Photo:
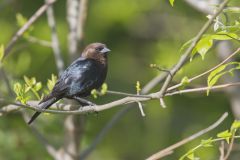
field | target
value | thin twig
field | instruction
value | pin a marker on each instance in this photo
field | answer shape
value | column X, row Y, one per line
column 203, row 89
column 171, row 148
column 230, row 146
column 127, row 94
column 41, row 42
column 206, row 72
column 221, row 149
column 162, row 103
column 20, row 32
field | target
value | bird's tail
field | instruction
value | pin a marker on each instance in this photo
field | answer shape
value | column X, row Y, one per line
column 44, row 104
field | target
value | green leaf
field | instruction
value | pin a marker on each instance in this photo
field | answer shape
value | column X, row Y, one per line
column 104, row 88
column 27, row 88
column 30, row 82
column 94, row 93
column 203, row 46
column 235, row 125
column 226, row 135
column 215, row 72
column 207, row 142
column 191, row 156
column 21, row 20
column 51, row 82
column 219, row 72
column 171, row 2
column 38, row 86
column 1, row 52
column 138, row 86
column 184, row 82
column 20, row 93
column 185, row 45
column 223, row 35
column 17, row 88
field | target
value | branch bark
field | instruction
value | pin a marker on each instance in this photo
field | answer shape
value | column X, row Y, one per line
column 55, row 42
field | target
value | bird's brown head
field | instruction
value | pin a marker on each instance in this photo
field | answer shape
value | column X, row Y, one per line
column 97, row 51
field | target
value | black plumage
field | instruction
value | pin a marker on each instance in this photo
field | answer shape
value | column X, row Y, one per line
column 85, row 74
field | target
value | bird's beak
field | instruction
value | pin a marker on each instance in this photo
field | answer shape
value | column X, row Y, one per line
column 105, row 50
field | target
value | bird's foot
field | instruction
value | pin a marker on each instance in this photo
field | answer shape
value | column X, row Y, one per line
column 84, row 102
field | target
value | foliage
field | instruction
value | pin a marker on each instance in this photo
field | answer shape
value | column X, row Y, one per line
column 220, row 71
column 171, row 2
column 138, row 87
column 206, row 42
column 224, row 135
column 23, row 91
column 103, row 91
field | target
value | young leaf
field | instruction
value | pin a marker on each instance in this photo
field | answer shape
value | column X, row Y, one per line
column 219, row 72
column 185, row 45
column 171, row 2
column 184, row 82
column 138, row 86
column 38, row 86
column 21, row 20
column 226, row 135
column 17, row 88
column 51, row 82
column 203, row 46
column 207, row 142
column 1, row 52
column 215, row 72
column 94, row 93
column 104, row 89
column 191, row 156
column 235, row 125
column 20, row 93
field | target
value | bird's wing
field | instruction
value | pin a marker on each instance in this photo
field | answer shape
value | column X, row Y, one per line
column 84, row 79
column 63, row 83
column 78, row 78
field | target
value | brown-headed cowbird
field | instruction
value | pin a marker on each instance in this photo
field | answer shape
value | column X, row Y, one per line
column 85, row 74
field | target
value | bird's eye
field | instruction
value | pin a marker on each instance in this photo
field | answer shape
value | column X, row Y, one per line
column 99, row 49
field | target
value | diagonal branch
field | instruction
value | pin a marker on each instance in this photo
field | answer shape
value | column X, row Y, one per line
column 20, row 32
column 171, row 148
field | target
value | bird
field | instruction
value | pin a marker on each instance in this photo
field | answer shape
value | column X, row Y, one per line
column 86, row 73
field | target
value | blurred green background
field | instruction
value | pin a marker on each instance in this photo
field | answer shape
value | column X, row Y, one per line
column 139, row 33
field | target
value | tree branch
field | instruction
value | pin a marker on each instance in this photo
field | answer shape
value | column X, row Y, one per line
column 76, row 109
column 55, row 42
column 171, row 148
column 185, row 56
column 206, row 72
column 20, row 32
